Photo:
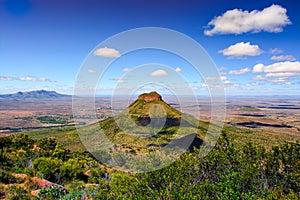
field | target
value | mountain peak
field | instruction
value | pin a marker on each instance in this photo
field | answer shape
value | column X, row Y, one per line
column 152, row 102
column 151, row 96
column 151, row 117
column 34, row 94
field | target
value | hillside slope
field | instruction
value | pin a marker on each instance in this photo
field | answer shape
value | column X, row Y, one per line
column 151, row 122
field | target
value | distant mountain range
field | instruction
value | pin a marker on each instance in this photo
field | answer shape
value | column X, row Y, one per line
column 38, row 94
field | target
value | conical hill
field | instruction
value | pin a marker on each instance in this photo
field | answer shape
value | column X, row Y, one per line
column 151, row 122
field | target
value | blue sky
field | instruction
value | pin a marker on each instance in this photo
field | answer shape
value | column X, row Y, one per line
column 255, row 44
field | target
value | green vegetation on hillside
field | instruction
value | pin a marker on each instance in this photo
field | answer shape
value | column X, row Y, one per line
column 229, row 171
column 66, row 137
column 142, row 108
column 149, row 121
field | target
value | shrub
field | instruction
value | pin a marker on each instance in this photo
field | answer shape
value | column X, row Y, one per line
column 21, row 141
column 47, row 167
column 51, row 193
column 8, row 178
column 46, row 145
column 2, row 191
column 16, row 193
column 72, row 169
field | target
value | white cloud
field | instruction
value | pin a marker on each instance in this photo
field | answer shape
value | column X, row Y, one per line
column 233, row 86
column 241, row 71
column 288, row 83
column 279, row 67
column 178, row 69
column 43, row 79
column 34, row 79
column 107, row 52
column 119, row 80
column 159, row 72
column 46, row 80
column 259, row 78
column 210, row 79
column 223, row 78
column 91, row 71
column 253, row 84
column 283, row 74
column 221, row 68
column 278, row 80
column 237, row 21
column 6, row 78
column 213, row 79
column 241, row 49
column 258, row 68
column 283, row 57
column 126, row 69
column 282, row 71
column 276, row 51
column 26, row 78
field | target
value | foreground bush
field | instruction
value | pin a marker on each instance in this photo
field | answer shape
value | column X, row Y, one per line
column 229, row 171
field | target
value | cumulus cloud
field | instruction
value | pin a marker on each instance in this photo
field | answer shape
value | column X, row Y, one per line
column 276, row 51
column 278, row 80
column 221, row 68
column 253, row 83
column 258, row 68
column 211, row 79
column 91, row 71
column 119, row 80
column 178, row 69
column 241, row 49
column 43, row 79
column 280, row 67
column 159, row 72
column 34, row 79
column 241, row 71
column 259, row 78
column 6, row 78
column 237, row 21
column 107, row 52
column 283, row 74
column 283, row 57
column 126, row 69
column 272, row 80
column 223, row 78
column 277, row 72
column 26, row 78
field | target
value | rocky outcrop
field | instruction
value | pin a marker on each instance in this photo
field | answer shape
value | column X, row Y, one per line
column 152, row 96
column 42, row 183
